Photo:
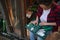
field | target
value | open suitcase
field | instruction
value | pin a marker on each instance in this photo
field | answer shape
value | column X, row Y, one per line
column 38, row 30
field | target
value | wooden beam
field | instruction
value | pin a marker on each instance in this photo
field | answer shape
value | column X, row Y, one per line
column 5, row 11
column 22, row 18
column 10, row 13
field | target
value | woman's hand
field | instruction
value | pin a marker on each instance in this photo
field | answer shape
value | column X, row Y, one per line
column 34, row 22
column 42, row 23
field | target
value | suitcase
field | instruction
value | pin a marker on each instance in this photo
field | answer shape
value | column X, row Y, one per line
column 33, row 28
column 38, row 30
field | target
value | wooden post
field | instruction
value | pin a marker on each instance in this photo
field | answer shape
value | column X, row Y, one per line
column 22, row 18
column 9, row 15
column 5, row 11
column 9, row 8
column 21, row 11
column 8, row 12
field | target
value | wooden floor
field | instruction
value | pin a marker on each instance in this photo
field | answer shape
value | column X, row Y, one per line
column 53, row 36
column 3, row 38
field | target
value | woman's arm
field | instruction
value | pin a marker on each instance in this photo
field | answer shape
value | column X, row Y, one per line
column 36, row 18
column 45, row 23
column 58, row 28
column 53, row 24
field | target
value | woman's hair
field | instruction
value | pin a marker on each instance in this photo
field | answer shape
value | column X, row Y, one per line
column 45, row 2
column 56, row 0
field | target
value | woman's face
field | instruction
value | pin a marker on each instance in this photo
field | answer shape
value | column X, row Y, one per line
column 45, row 7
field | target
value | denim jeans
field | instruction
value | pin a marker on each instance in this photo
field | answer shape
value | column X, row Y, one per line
column 32, row 36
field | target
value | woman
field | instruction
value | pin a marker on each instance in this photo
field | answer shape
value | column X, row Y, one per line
column 48, row 14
